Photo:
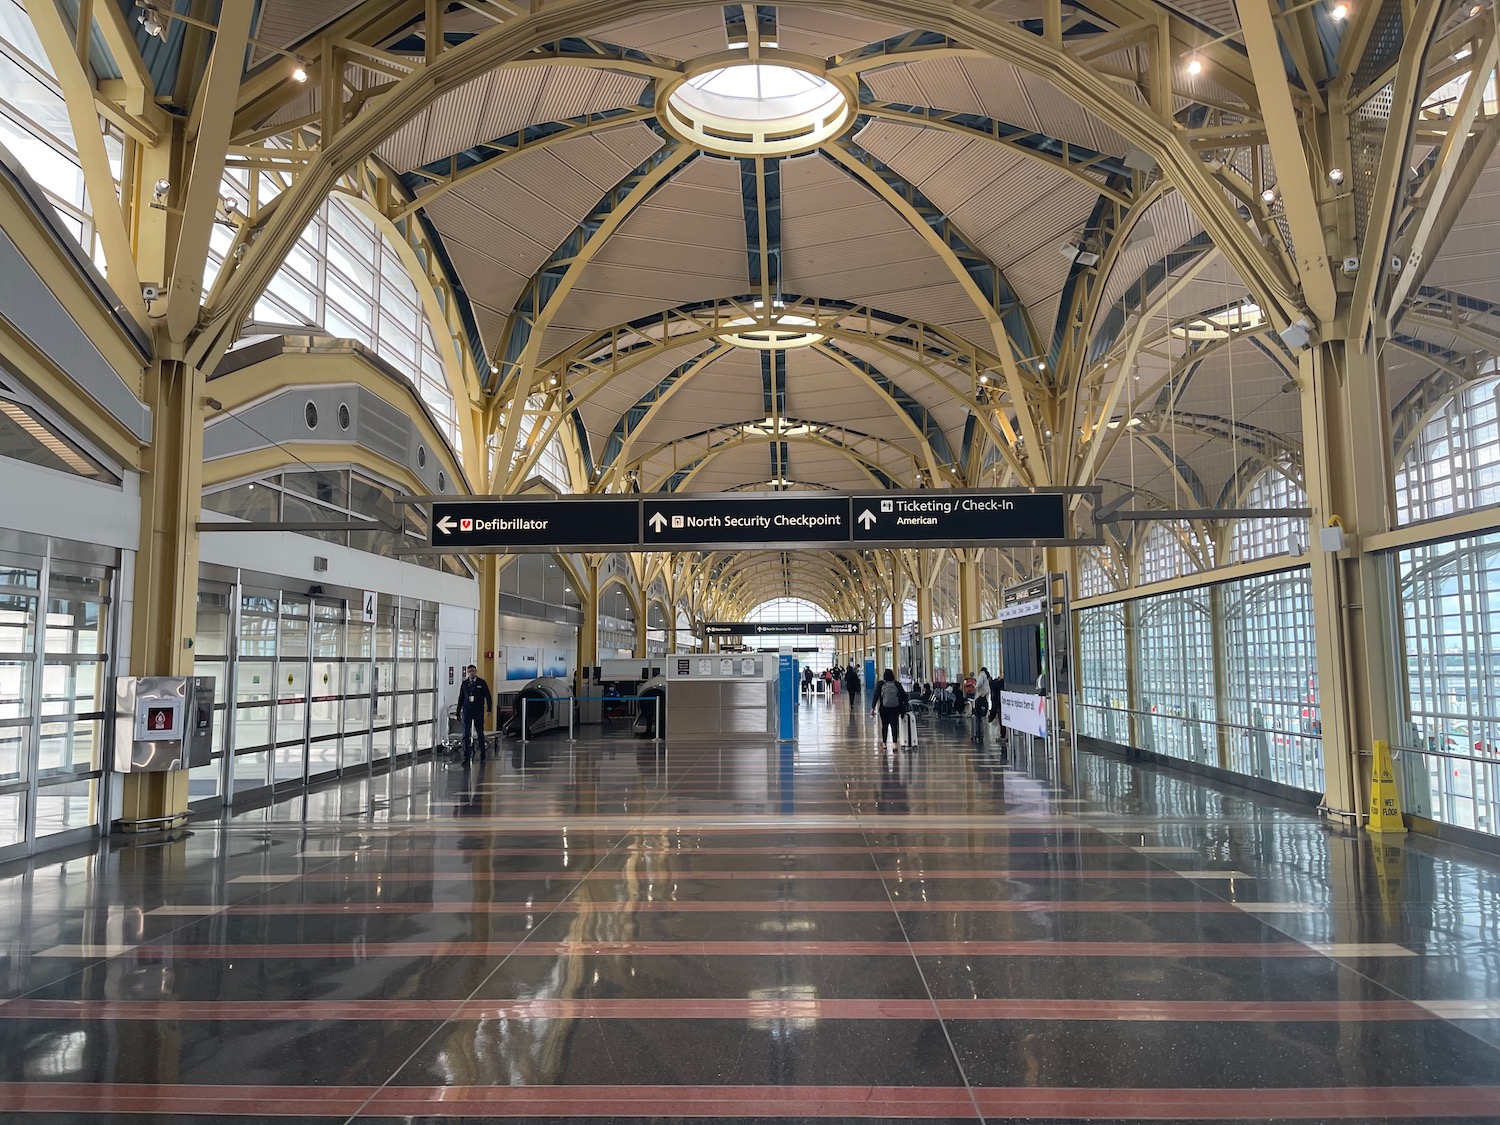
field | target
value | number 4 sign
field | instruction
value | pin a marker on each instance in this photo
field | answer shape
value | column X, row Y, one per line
column 367, row 607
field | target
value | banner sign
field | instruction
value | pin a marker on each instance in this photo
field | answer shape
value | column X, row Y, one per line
column 1022, row 711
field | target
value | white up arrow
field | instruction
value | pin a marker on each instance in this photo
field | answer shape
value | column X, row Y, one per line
column 657, row 522
column 867, row 518
column 446, row 525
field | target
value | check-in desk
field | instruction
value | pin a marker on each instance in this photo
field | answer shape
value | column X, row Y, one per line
column 722, row 697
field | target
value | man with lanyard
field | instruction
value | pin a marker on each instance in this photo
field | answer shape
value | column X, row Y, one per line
column 474, row 702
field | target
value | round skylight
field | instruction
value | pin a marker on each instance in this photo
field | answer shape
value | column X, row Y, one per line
column 741, row 107
column 779, row 330
column 1222, row 324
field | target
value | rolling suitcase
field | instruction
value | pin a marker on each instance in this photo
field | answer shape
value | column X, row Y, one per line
column 909, row 731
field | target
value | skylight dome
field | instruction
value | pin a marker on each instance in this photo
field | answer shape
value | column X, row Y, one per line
column 1234, row 319
column 779, row 330
column 761, row 108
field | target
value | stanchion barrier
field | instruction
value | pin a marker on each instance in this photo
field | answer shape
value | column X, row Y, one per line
column 573, row 700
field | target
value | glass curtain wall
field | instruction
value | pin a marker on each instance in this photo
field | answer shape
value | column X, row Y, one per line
column 56, row 639
column 1449, row 595
column 307, row 688
column 617, row 635
column 945, row 659
column 1223, row 674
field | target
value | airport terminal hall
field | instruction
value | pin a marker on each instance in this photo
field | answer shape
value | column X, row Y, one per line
column 655, row 561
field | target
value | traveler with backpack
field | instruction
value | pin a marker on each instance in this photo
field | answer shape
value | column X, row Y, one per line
column 890, row 701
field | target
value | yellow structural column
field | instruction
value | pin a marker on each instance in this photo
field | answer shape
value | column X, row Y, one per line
column 968, row 613
column 490, row 655
column 896, row 622
column 588, row 633
column 1346, row 438
column 164, row 621
column 924, row 617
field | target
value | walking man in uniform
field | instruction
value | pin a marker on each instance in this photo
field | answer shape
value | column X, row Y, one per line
column 474, row 702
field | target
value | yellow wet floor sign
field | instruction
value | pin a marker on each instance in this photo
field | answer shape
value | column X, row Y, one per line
column 1385, row 806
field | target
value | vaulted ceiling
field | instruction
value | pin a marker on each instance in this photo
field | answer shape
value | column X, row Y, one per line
column 997, row 257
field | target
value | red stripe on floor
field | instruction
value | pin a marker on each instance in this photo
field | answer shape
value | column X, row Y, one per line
column 791, row 851
column 736, row 1008
column 698, row 906
column 358, row 950
column 911, row 874
column 667, row 1102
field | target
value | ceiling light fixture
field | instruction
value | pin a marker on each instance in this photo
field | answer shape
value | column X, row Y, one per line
column 1338, row 13
column 152, row 21
column 1268, row 196
column 1335, row 175
column 299, row 74
column 1195, row 66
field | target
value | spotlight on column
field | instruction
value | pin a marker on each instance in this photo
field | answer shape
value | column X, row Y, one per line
column 1298, row 336
column 1335, row 175
column 1268, row 197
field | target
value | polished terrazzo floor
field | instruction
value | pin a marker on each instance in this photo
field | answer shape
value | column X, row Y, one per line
column 819, row 931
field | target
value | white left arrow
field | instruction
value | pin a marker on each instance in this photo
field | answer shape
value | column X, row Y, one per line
column 657, row 522
column 446, row 525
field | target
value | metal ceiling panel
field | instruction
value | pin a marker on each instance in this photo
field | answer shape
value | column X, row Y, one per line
column 1006, row 205
column 501, row 103
column 499, row 228
column 1058, row 115
column 1039, row 276
column 687, row 243
column 283, row 23
column 1172, row 224
column 606, row 158
column 1466, row 260
column 819, row 387
column 1217, row 14
column 679, row 35
column 814, row 31
column 571, row 91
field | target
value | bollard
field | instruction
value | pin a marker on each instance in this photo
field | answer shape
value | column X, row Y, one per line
column 523, row 720
column 571, row 704
column 656, row 727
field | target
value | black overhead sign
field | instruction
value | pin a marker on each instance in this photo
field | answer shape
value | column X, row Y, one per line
column 767, row 521
column 519, row 525
column 781, row 628
column 953, row 516
column 733, row 521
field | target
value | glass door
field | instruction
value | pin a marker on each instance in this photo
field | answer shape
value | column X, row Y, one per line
column 56, row 619
column 289, row 763
column 325, row 708
column 211, row 657
column 254, row 685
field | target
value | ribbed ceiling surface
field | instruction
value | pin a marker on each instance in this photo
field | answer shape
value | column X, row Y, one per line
column 829, row 235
